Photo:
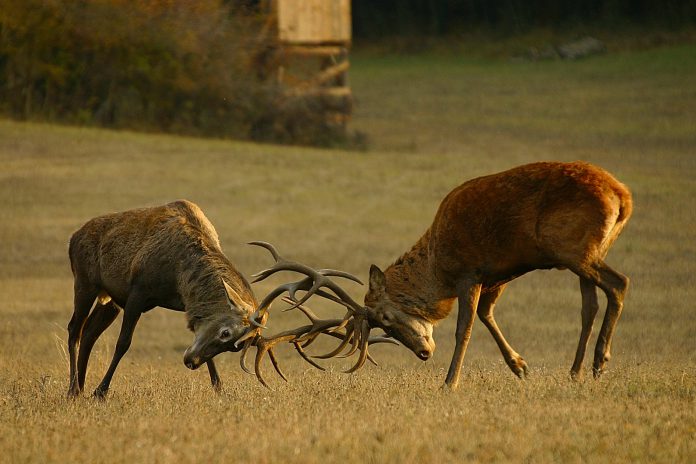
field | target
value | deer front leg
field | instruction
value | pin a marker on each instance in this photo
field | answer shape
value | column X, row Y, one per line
column 468, row 302
column 485, row 312
column 131, row 314
column 214, row 377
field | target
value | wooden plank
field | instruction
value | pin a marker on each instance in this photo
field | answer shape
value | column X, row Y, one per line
column 314, row 21
column 320, row 91
column 330, row 73
column 318, row 50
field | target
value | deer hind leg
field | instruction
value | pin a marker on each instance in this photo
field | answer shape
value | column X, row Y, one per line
column 614, row 285
column 485, row 312
column 98, row 321
column 84, row 299
column 468, row 302
column 132, row 311
column 590, row 306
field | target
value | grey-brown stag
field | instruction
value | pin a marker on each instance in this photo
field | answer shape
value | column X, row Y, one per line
column 167, row 256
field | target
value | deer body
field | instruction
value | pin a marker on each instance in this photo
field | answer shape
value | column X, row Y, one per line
column 167, row 256
column 493, row 229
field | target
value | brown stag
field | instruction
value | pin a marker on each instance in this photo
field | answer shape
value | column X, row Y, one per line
column 487, row 232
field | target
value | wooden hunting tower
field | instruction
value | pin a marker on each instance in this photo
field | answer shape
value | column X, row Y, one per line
column 312, row 38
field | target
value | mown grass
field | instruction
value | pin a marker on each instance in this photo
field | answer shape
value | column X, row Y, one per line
column 434, row 122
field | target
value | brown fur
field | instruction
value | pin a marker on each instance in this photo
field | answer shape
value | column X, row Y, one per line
column 166, row 256
column 495, row 228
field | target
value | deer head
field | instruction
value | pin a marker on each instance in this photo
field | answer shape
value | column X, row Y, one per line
column 413, row 331
column 217, row 331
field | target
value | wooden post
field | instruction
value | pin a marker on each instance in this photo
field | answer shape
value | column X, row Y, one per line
column 313, row 37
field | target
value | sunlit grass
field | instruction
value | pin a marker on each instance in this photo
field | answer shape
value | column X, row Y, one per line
column 434, row 122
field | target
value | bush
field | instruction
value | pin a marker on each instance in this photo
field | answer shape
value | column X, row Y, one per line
column 172, row 65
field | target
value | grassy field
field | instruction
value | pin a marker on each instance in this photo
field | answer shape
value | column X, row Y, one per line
column 434, row 121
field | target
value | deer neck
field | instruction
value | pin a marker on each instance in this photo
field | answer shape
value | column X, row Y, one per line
column 200, row 285
column 414, row 286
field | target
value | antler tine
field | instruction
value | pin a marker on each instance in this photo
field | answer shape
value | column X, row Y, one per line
column 382, row 339
column 242, row 357
column 299, row 349
column 319, row 278
column 257, row 366
column 291, row 288
column 346, row 339
column 307, row 312
column 316, row 282
column 265, row 344
column 309, row 337
column 269, row 247
column 364, row 336
column 344, row 274
column 355, row 340
column 274, row 361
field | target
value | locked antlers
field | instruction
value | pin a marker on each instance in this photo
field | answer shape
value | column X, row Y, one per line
column 353, row 329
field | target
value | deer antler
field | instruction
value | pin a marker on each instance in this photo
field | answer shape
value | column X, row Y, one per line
column 306, row 334
column 296, row 337
column 355, row 322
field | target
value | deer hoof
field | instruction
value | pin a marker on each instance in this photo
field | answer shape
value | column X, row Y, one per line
column 519, row 367
column 450, row 385
column 99, row 394
column 599, row 365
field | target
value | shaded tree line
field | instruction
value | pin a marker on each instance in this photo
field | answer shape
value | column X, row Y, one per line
column 194, row 66
column 446, row 17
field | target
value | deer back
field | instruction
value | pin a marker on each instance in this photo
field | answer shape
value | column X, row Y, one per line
column 172, row 249
column 536, row 216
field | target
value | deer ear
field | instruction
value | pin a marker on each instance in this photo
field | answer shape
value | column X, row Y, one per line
column 378, row 282
column 235, row 299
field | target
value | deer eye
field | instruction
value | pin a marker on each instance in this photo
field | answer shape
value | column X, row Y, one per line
column 224, row 334
column 387, row 319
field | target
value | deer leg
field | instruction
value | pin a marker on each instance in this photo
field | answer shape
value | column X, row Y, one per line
column 98, row 321
column 468, row 302
column 84, row 298
column 614, row 285
column 485, row 312
column 590, row 306
column 214, row 377
column 131, row 314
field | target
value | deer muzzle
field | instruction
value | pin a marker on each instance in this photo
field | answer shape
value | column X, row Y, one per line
column 192, row 360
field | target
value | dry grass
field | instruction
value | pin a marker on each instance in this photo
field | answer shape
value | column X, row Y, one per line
column 435, row 122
